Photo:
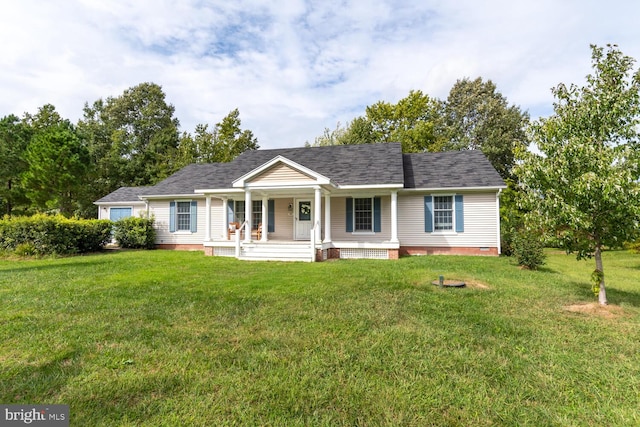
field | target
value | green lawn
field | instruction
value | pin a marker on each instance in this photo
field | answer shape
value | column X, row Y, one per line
column 165, row 338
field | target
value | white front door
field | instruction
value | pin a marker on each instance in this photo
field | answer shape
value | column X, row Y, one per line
column 303, row 219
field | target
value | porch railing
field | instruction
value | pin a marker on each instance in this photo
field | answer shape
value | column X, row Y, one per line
column 313, row 240
column 237, row 236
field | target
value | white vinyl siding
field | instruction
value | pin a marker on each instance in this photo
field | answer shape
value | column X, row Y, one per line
column 160, row 210
column 480, row 222
column 281, row 173
column 338, row 222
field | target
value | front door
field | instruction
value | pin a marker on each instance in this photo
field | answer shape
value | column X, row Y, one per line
column 303, row 222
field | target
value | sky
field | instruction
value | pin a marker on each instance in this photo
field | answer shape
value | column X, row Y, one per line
column 296, row 67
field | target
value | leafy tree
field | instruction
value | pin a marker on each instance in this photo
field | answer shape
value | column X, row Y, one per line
column 132, row 139
column 56, row 166
column 358, row 131
column 224, row 143
column 583, row 185
column 413, row 122
column 14, row 137
column 478, row 117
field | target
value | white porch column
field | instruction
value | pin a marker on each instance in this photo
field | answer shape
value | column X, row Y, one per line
column 327, row 218
column 207, row 219
column 225, row 219
column 317, row 217
column 247, row 215
column 394, row 216
column 265, row 218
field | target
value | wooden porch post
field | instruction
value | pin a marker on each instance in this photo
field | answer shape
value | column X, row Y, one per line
column 247, row 215
column 265, row 218
column 394, row 216
column 317, row 220
column 225, row 219
column 327, row 218
column 207, row 216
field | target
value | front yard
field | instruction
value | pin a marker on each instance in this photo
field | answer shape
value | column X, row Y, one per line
column 176, row 338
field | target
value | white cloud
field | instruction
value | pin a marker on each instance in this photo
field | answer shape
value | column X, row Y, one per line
column 296, row 67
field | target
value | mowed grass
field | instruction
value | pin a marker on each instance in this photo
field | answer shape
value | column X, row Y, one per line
column 163, row 338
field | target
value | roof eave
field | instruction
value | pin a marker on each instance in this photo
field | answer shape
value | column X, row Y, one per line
column 479, row 188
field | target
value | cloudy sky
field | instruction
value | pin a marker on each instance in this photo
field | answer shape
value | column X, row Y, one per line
column 295, row 67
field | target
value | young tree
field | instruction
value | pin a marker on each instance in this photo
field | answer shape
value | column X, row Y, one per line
column 584, row 183
column 478, row 117
column 56, row 168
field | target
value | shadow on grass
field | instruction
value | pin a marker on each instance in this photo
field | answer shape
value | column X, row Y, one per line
column 614, row 296
column 33, row 383
column 29, row 264
column 618, row 297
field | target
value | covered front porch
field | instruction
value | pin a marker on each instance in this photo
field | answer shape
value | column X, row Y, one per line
column 298, row 225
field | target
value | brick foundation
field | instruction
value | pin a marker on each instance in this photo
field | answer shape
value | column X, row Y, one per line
column 333, row 253
column 177, row 247
column 428, row 250
column 393, row 253
column 208, row 250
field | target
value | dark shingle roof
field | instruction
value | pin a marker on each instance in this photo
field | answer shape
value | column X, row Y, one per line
column 450, row 169
column 343, row 165
column 367, row 164
column 124, row 194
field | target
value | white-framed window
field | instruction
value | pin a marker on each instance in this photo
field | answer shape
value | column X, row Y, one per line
column 183, row 216
column 443, row 213
column 363, row 214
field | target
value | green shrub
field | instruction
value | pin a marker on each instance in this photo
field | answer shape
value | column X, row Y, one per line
column 135, row 233
column 633, row 246
column 47, row 235
column 528, row 248
column 25, row 249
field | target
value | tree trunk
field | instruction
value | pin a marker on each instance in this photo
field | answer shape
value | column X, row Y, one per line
column 602, row 294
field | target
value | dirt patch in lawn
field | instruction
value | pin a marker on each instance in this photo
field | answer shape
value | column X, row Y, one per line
column 595, row 309
column 474, row 284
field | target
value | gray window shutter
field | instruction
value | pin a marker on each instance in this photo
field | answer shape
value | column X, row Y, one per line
column 271, row 214
column 428, row 214
column 459, row 207
column 349, row 218
column 172, row 217
column 377, row 215
column 194, row 216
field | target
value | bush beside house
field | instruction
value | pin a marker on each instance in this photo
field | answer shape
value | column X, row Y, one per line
column 135, row 233
column 47, row 235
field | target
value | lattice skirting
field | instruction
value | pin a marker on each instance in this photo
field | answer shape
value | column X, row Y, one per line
column 224, row 251
column 352, row 253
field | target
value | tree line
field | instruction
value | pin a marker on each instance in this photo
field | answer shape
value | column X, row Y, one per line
column 48, row 164
column 475, row 116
